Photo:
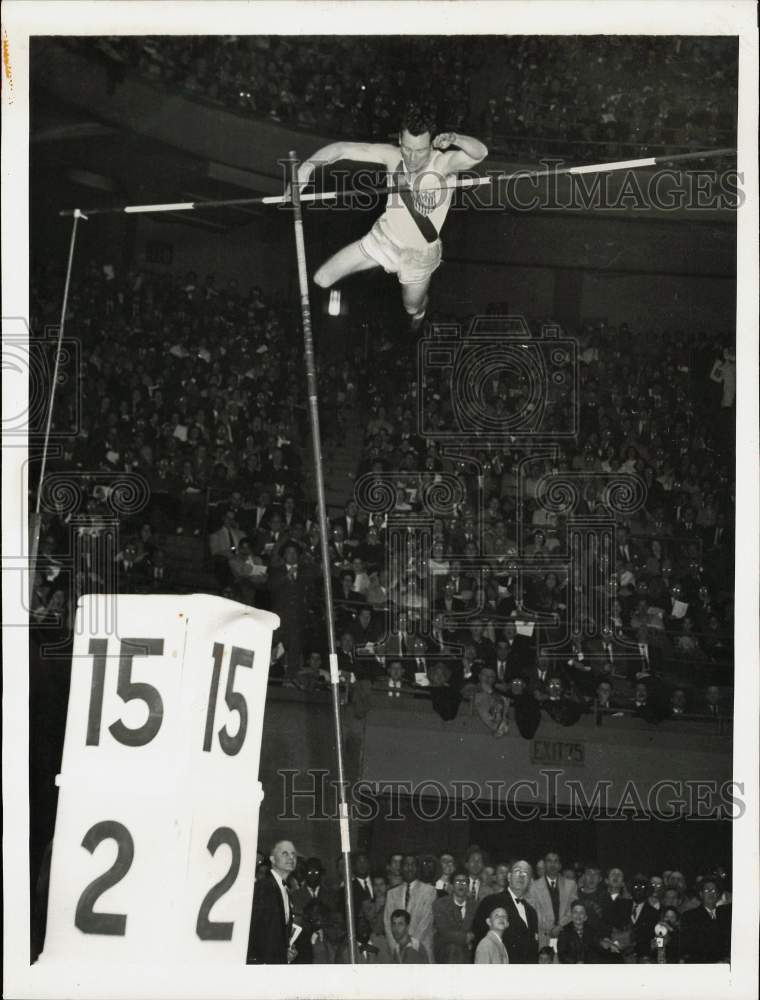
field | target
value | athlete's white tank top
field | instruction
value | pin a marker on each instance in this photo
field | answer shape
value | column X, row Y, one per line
column 429, row 199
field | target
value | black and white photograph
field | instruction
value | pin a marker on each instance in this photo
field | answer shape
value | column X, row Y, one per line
column 380, row 498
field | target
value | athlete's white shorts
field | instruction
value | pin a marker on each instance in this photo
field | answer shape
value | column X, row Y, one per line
column 412, row 265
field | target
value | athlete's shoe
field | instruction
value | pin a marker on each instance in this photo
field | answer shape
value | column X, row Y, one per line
column 417, row 320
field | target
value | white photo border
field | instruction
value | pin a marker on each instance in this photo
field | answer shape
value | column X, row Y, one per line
column 21, row 19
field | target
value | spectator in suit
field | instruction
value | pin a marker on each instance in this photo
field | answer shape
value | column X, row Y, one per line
column 605, row 699
column 416, row 899
column 645, row 912
column 312, row 888
column 272, row 915
column 616, row 914
column 491, row 949
column 551, row 896
column 706, row 930
column 371, row 549
column 361, row 879
column 374, row 910
column 290, row 584
column 643, row 705
column 592, row 893
column 541, row 671
column 452, row 922
column 475, row 636
column 713, row 704
column 474, row 864
column 400, row 641
column 525, row 707
column 223, row 544
column 577, row 943
column 340, row 552
column 261, row 511
column 367, row 628
column 248, row 572
column 448, row 866
column 499, row 660
column 559, row 705
column 465, row 672
column 521, row 934
column 677, row 708
column 519, row 653
column 395, row 683
column 353, row 530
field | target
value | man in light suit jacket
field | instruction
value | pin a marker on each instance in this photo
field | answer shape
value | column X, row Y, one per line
column 223, row 543
column 452, row 922
column 552, row 897
column 417, row 899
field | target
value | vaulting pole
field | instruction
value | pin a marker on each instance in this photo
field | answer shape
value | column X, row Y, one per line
column 316, row 444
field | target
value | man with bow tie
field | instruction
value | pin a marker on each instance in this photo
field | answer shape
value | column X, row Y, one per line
column 272, row 916
column 521, row 935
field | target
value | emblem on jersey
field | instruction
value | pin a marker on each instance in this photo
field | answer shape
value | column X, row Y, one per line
column 424, row 201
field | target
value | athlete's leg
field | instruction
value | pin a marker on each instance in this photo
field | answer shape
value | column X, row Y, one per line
column 349, row 260
column 415, row 299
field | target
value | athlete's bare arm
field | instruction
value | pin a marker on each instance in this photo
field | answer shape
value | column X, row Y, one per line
column 468, row 154
column 362, row 152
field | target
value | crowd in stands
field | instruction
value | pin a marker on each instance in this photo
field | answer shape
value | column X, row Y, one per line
column 186, row 392
column 573, row 96
column 454, row 616
column 198, row 392
column 583, row 105
column 458, row 910
column 354, row 86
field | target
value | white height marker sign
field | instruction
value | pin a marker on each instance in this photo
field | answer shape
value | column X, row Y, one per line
column 154, row 854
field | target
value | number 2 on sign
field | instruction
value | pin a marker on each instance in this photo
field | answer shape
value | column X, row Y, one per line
column 231, row 745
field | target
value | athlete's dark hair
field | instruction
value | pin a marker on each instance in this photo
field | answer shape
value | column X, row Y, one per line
column 417, row 120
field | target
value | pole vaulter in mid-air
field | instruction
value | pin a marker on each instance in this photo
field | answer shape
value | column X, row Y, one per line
column 405, row 240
